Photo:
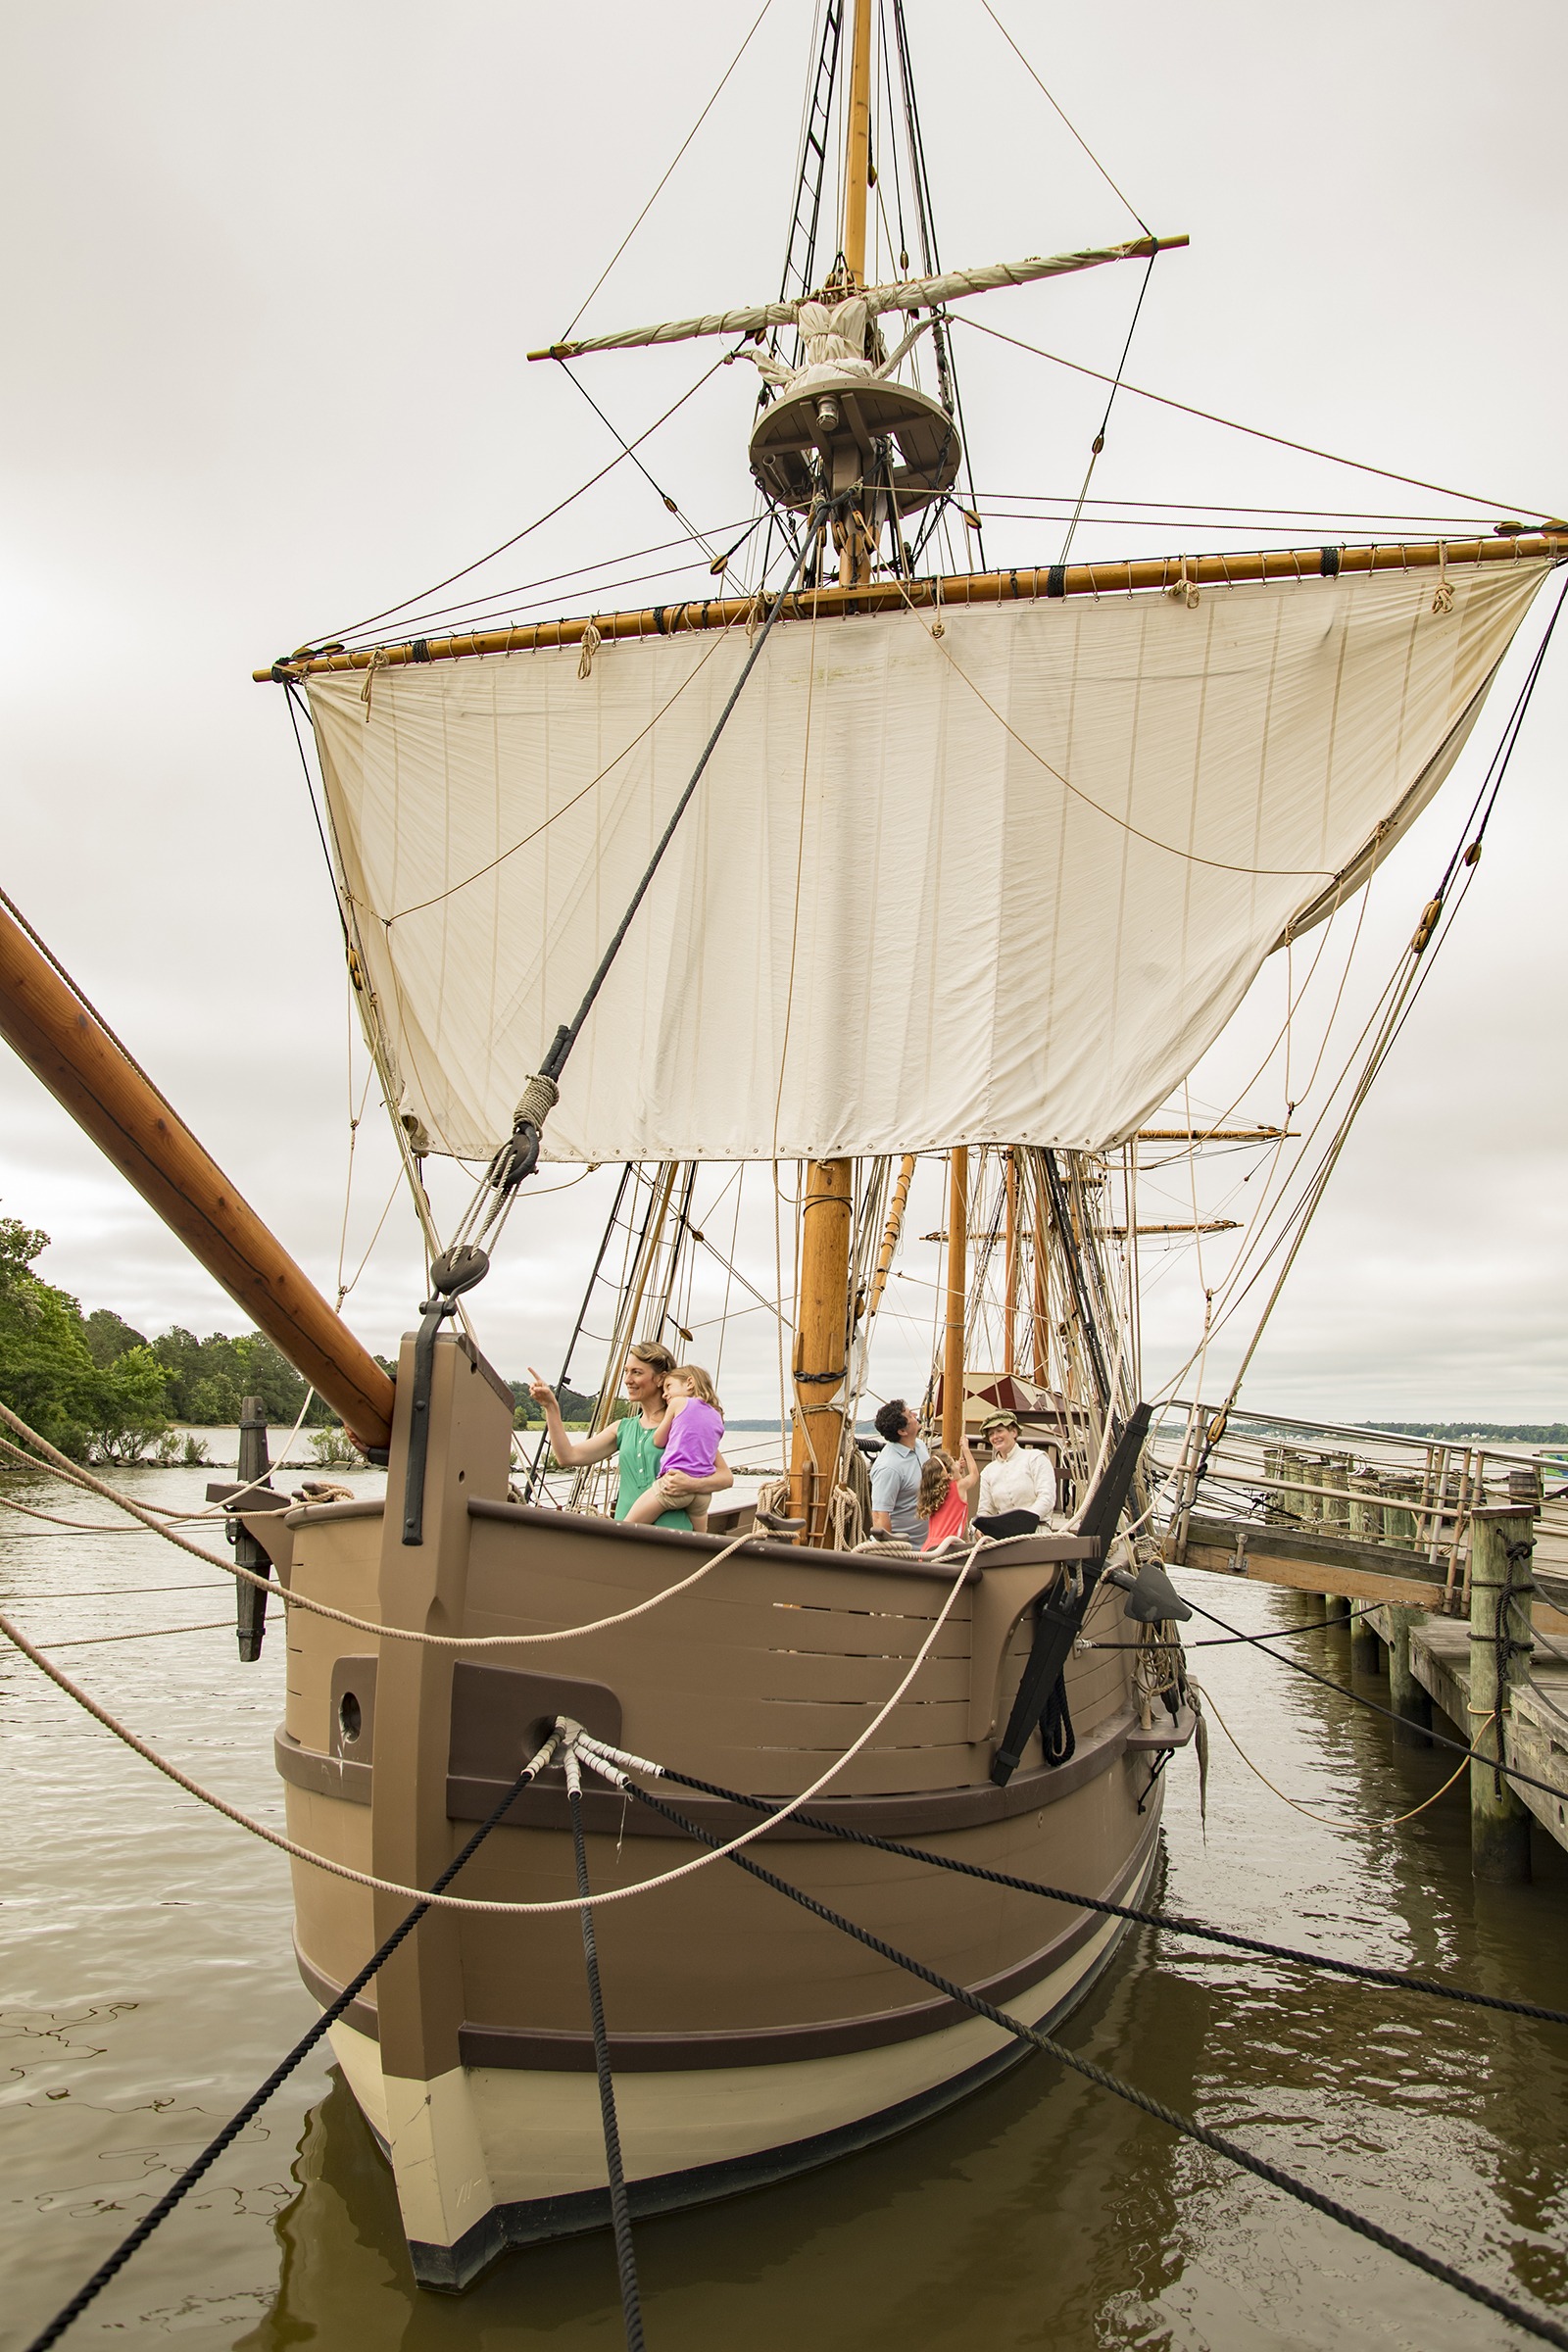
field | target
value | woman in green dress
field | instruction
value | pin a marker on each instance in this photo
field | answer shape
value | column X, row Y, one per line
column 632, row 1438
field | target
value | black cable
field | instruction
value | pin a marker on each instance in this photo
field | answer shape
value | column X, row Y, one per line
column 631, row 2310
column 1399, row 1980
column 1458, row 1747
column 1550, row 2331
column 627, row 450
column 568, row 1033
column 281, row 2072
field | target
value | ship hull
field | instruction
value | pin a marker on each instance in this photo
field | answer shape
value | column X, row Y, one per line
column 749, row 2040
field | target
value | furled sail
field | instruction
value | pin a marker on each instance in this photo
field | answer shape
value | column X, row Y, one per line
column 1000, row 879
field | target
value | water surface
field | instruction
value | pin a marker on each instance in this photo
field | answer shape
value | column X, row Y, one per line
column 146, row 1986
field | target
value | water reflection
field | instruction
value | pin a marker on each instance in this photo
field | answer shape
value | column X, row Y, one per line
column 147, row 1986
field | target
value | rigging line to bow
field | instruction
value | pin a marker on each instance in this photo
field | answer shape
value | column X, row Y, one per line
column 1066, row 119
column 569, row 1033
column 671, row 172
column 1253, row 433
column 419, row 905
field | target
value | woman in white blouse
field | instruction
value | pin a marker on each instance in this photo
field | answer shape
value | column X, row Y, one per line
column 1017, row 1485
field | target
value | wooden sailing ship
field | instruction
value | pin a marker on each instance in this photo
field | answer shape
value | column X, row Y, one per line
column 744, row 826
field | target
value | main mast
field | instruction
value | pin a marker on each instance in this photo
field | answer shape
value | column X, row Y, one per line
column 823, row 1308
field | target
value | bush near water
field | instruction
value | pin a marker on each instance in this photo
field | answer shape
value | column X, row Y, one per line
column 103, row 1392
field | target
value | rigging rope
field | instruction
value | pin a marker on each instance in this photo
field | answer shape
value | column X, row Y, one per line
column 1253, row 433
column 357, row 627
column 572, row 324
column 1072, row 127
column 281, row 2072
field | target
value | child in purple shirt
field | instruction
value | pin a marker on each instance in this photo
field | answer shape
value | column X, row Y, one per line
column 687, row 1439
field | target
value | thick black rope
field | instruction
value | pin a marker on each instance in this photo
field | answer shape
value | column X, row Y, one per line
column 567, row 1034
column 1550, row 2331
column 631, row 2309
column 281, row 2072
column 1458, row 1747
column 1398, row 1979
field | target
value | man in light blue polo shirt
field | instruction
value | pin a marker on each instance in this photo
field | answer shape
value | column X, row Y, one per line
column 896, row 1475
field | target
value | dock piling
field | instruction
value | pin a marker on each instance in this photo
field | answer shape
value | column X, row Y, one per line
column 1407, row 1697
column 1501, row 1646
column 249, row 1600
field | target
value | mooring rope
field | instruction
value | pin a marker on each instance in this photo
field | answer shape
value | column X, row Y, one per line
column 1548, row 2330
column 620, row 2209
column 364, row 1625
column 457, row 1902
column 1457, row 1747
column 1398, row 1980
column 281, row 2072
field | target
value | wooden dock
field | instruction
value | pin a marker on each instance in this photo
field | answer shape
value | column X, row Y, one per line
column 1536, row 1720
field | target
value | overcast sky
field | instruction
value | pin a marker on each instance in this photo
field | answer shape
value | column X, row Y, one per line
column 269, row 283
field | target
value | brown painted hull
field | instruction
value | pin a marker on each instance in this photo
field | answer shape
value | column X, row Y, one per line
column 747, row 2039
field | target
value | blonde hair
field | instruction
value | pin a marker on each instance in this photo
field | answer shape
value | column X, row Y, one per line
column 702, row 1384
column 936, row 1482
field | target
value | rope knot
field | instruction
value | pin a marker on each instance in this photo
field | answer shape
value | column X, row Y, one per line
column 1443, row 594
column 592, row 640
column 1185, row 590
column 539, row 1098
column 379, row 659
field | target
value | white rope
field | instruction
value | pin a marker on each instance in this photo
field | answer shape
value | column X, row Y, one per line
column 366, row 1625
column 457, row 1902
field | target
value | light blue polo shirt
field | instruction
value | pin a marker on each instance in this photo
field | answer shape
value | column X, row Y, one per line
column 895, row 1488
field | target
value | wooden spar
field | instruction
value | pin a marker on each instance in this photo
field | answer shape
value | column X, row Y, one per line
column 858, row 143
column 1213, row 1135
column 1009, row 1266
column 1043, row 584
column 1042, row 1290
column 92, row 1077
column 821, row 1342
column 891, row 1230
column 958, row 1285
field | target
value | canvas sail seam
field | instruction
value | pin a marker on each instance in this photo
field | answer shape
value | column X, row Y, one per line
column 516, row 732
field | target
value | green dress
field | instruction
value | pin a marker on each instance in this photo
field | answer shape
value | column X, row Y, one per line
column 639, row 1467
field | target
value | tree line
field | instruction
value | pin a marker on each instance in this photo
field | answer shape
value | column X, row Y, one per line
column 100, row 1390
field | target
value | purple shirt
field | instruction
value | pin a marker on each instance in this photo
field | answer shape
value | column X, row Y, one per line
column 693, row 1440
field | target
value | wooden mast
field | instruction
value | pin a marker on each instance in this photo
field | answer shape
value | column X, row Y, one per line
column 849, row 529
column 1010, row 1265
column 821, row 1343
column 822, row 1328
column 858, row 143
column 958, row 1286
column 91, row 1075
column 1042, row 1285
